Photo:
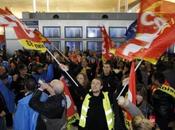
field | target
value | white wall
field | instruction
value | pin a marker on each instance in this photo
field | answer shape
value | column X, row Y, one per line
column 84, row 24
column 12, row 44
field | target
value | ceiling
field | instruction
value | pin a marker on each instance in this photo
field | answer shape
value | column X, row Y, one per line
column 18, row 6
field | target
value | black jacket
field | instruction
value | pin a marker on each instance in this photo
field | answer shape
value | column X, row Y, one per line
column 52, row 108
column 3, row 106
column 111, row 83
column 164, row 106
column 96, row 119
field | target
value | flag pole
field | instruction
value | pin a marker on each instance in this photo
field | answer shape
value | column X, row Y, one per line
column 62, row 68
column 127, row 82
column 61, row 53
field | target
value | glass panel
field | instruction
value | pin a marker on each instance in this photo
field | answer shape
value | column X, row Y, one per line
column 94, row 46
column 93, row 32
column 74, row 45
column 118, row 32
column 171, row 49
column 54, row 45
column 117, row 43
column 52, row 32
column 73, row 32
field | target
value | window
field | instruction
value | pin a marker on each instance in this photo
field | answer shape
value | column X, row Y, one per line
column 55, row 45
column 117, row 43
column 73, row 32
column 74, row 45
column 94, row 32
column 117, row 32
column 171, row 49
column 95, row 46
column 52, row 32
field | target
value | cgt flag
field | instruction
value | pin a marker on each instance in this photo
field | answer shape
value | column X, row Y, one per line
column 24, row 35
column 154, row 32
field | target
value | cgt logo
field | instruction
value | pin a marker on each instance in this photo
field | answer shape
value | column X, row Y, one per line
column 159, row 23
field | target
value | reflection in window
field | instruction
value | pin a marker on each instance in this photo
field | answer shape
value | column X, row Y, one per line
column 117, row 43
column 94, row 46
column 118, row 32
column 94, row 32
column 74, row 45
column 52, row 32
column 73, row 32
column 54, row 45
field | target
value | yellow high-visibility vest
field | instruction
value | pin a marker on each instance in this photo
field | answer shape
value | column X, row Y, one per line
column 107, row 108
column 167, row 89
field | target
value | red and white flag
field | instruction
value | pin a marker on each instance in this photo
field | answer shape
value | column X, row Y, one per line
column 155, row 31
column 24, row 35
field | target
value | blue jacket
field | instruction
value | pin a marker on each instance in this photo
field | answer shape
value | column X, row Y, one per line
column 25, row 117
column 9, row 97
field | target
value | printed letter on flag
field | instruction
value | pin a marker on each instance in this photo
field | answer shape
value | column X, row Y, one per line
column 155, row 31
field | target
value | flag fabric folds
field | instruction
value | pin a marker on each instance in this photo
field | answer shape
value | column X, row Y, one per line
column 131, row 94
column 42, row 38
column 155, row 31
column 72, row 114
column 132, row 84
column 107, row 45
column 24, row 35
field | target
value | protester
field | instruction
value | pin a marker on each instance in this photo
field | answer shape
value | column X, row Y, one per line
column 52, row 114
column 163, row 101
column 96, row 113
column 3, row 111
column 25, row 118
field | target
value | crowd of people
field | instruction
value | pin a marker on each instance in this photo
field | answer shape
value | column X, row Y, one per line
column 32, row 94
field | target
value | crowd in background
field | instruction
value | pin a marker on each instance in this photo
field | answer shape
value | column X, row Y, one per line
column 99, row 84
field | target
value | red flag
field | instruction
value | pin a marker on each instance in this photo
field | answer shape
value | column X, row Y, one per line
column 107, row 45
column 2, row 39
column 132, row 84
column 42, row 38
column 154, row 33
column 24, row 35
column 72, row 114
column 131, row 94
